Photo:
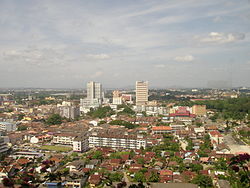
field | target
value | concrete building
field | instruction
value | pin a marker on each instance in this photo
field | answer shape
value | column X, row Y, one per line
column 199, row 110
column 94, row 90
column 81, row 143
column 64, row 138
column 127, row 98
column 7, row 126
column 216, row 137
column 3, row 146
column 70, row 112
column 94, row 97
column 6, row 99
column 141, row 93
column 116, row 139
column 161, row 129
column 117, row 99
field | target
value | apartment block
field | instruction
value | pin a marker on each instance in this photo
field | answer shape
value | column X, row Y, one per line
column 81, row 143
column 64, row 138
column 116, row 139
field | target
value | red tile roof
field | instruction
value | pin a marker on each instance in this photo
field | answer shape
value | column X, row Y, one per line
column 161, row 128
column 166, row 173
column 215, row 133
column 95, row 179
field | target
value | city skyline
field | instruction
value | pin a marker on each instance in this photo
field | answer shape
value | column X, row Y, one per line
column 169, row 43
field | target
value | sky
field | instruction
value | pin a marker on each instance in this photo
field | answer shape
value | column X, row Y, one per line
column 66, row 43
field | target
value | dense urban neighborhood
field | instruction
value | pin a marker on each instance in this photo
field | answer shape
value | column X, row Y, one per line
column 125, row 138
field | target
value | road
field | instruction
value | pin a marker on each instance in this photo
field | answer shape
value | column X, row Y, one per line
column 236, row 146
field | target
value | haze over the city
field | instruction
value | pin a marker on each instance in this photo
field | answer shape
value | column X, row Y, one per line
column 169, row 43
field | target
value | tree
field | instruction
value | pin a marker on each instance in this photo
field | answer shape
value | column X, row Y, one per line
column 190, row 145
column 131, row 154
column 141, row 161
column 126, row 110
column 196, row 167
column 139, row 177
column 22, row 128
column 20, row 117
column 221, row 164
column 203, row 181
column 115, row 177
column 101, row 112
column 123, row 123
column 240, row 175
column 7, row 182
column 54, row 119
column 97, row 155
column 154, row 177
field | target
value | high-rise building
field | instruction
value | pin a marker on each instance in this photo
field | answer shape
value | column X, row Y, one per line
column 94, row 90
column 141, row 92
column 94, row 97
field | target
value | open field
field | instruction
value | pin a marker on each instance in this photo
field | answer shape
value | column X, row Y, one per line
column 56, row 148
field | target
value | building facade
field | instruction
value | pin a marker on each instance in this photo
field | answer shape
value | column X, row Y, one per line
column 6, row 126
column 161, row 130
column 81, row 143
column 199, row 110
column 64, row 138
column 94, row 90
column 117, row 99
column 70, row 112
column 141, row 93
column 3, row 146
column 117, row 141
column 94, row 97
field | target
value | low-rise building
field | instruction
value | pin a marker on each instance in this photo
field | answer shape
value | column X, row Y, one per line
column 199, row 110
column 64, row 138
column 161, row 129
column 216, row 137
column 3, row 146
column 7, row 126
column 116, row 139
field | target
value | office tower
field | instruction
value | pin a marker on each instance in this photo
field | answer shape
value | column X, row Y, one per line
column 141, row 93
column 94, row 90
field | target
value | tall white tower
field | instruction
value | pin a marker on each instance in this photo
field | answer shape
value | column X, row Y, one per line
column 94, row 90
column 141, row 92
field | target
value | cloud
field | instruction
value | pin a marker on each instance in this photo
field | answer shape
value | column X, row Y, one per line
column 186, row 58
column 159, row 66
column 97, row 74
column 217, row 19
column 216, row 37
column 35, row 56
column 98, row 56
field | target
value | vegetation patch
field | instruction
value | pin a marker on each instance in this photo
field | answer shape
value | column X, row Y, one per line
column 56, row 148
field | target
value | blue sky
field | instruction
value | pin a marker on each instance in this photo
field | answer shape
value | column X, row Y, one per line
column 65, row 43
